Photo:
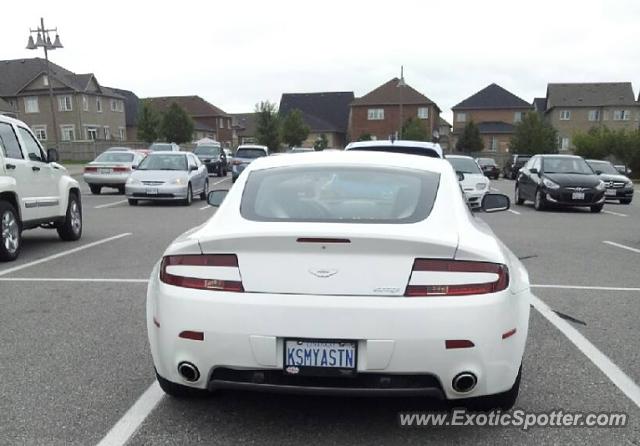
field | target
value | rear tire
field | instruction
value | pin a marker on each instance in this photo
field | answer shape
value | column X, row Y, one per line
column 626, row 201
column 517, row 198
column 504, row 401
column 539, row 204
column 95, row 190
column 71, row 229
column 10, row 232
column 187, row 201
column 132, row 202
column 178, row 390
column 597, row 208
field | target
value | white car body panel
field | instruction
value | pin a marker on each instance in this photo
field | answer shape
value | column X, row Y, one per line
column 471, row 181
column 363, row 301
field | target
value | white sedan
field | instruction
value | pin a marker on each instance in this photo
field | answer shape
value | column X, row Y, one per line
column 474, row 183
column 342, row 273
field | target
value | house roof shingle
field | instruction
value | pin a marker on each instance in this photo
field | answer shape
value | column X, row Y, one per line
column 18, row 73
column 390, row 93
column 131, row 104
column 193, row 105
column 323, row 112
column 596, row 94
column 492, row 97
column 540, row 104
column 245, row 123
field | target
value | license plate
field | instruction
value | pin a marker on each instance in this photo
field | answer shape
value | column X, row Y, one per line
column 318, row 357
column 577, row 196
column 152, row 191
column 104, row 171
column 610, row 192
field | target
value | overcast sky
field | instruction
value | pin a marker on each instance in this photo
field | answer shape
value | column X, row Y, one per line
column 238, row 52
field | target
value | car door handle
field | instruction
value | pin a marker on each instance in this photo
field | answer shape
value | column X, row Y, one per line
column 10, row 166
column 35, row 168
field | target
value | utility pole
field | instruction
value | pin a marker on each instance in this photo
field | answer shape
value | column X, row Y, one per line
column 401, row 85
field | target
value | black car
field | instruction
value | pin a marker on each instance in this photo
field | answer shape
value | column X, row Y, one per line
column 618, row 187
column 213, row 157
column 564, row 180
column 514, row 165
column 489, row 167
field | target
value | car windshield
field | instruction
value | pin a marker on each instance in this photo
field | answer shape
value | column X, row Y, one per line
column 164, row 162
column 342, row 194
column 158, row 147
column 207, row 150
column 250, row 153
column 115, row 157
column 486, row 162
column 604, row 167
column 566, row 165
column 464, row 165
column 421, row 151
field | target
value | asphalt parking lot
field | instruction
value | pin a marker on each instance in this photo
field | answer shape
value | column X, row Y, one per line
column 76, row 368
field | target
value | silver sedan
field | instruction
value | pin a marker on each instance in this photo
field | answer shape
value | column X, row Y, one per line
column 168, row 176
column 111, row 169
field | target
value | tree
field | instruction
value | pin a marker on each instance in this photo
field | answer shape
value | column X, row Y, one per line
column 176, row 126
column 321, row 143
column 365, row 137
column 148, row 123
column 414, row 130
column 602, row 142
column 534, row 135
column 294, row 129
column 470, row 140
column 268, row 125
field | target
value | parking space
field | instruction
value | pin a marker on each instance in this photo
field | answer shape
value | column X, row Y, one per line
column 76, row 358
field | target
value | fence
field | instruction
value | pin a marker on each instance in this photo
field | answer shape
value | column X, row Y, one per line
column 88, row 150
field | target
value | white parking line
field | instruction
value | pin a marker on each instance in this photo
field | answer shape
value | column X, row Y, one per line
column 218, row 182
column 62, row 254
column 493, row 189
column 612, row 371
column 513, row 212
column 615, row 213
column 580, row 287
column 134, row 417
column 618, row 245
column 205, row 207
column 108, row 205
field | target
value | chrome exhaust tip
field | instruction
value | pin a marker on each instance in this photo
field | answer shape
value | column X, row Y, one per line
column 464, row 382
column 188, row 371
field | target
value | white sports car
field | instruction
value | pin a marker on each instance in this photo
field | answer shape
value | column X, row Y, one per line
column 342, row 273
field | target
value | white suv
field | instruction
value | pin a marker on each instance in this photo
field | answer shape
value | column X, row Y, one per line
column 35, row 191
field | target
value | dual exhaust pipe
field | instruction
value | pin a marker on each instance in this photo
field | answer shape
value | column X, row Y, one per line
column 464, row 382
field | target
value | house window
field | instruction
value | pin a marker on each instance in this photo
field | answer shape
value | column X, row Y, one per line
column 221, row 122
column 123, row 134
column 68, row 132
column 605, row 115
column 228, row 123
column 461, row 117
column 423, row 112
column 518, row 116
column 564, row 143
column 594, row 115
column 107, row 133
column 40, row 132
column 565, row 115
column 99, row 105
column 621, row 115
column 31, row 104
column 92, row 133
column 494, row 144
column 85, row 103
column 65, row 103
column 117, row 106
column 375, row 114
column 45, row 80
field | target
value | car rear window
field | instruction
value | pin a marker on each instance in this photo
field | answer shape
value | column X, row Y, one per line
column 421, row 151
column 339, row 195
column 115, row 157
column 464, row 165
column 250, row 153
column 161, row 148
column 207, row 150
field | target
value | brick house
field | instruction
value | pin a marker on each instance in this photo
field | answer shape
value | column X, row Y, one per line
column 577, row 107
column 244, row 128
column 84, row 109
column 325, row 113
column 209, row 120
column 495, row 111
column 382, row 112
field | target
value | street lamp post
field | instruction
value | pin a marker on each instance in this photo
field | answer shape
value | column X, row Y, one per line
column 43, row 40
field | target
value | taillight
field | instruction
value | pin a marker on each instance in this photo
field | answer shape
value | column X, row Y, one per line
column 90, row 169
column 456, row 278
column 122, row 169
column 215, row 272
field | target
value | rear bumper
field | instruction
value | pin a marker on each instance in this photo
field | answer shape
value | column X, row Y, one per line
column 106, row 180
column 395, row 337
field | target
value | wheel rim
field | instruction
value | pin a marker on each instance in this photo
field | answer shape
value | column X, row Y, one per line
column 10, row 232
column 76, row 217
column 206, row 188
column 538, row 199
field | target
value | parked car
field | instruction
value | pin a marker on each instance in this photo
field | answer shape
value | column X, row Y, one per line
column 168, row 176
column 473, row 181
column 245, row 155
column 342, row 273
column 213, row 157
column 489, row 167
column 111, row 169
column 618, row 187
column 514, row 165
column 164, row 147
column 398, row 146
column 35, row 191
column 565, row 180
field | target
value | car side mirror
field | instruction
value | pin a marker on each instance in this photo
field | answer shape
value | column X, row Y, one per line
column 52, row 155
column 495, row 203
column 533, row 170
column 460, row 176
column 216, row 197
column 193, row 167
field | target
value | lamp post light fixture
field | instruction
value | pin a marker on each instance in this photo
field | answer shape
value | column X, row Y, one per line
column 43, row 40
